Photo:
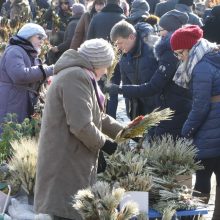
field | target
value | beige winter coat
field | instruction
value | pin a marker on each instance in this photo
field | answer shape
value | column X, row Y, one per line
column 73, row 130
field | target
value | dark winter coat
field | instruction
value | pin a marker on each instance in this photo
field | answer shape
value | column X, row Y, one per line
column 81, row 31
column 68, row 35
column 18, row 69
column 168, row 94
column 152, row 4
column 137, row 67
column 211, row 30
column 102, row 23
column 203, row 122
column 163, row 7
column 193, row 18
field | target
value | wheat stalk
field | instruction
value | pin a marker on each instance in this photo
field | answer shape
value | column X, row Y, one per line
column 23, row 163
column 142, row 124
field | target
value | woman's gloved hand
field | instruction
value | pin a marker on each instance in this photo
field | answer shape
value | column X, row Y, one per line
column 109, row 147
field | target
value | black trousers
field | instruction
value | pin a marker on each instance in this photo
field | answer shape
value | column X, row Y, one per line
column 203, row 177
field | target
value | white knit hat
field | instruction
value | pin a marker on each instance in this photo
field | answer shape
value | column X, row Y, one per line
column 31, row 29
column 98, row 52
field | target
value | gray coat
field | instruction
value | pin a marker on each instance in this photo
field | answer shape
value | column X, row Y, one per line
column 72, row 132
column 193, row 18
column 18, row 70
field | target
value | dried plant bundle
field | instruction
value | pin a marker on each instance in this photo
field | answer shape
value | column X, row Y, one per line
column 23, row 163
column 142, row 124
column 171, row 157
column 128, row 169
column 101, row 201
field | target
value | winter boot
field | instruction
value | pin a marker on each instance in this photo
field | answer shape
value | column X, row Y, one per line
column 204, row 197
column 216, row 214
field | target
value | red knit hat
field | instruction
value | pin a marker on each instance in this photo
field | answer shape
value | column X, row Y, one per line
column 186, row 37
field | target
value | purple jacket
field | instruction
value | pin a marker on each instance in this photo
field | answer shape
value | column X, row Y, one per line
column 18, row 69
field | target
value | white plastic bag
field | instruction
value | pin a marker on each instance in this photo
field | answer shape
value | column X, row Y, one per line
column 43, row 217
column 20, row 211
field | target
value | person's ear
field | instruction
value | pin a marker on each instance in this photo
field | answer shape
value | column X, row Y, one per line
column 132, row 37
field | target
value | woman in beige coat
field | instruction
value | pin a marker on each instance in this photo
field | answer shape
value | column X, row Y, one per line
column 74, row 129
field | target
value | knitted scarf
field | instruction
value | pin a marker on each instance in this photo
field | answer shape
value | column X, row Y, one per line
column 183, row 74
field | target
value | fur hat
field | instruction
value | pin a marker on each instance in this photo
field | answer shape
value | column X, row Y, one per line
column 138, row 9
column 98, row 52
column 31, row 29
column 186, row 37
column 172, row 20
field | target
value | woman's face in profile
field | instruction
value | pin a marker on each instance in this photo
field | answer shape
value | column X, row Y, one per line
column 181, row 54
column 99, row 72
column 37, row 41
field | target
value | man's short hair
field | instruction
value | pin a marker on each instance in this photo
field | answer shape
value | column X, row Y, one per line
column 122, row 29
column 116, row 2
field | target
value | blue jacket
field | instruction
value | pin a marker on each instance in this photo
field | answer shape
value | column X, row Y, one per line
column 168, row 94
column 137, row 67
column 203, row 123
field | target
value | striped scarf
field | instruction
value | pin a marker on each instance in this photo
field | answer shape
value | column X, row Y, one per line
column 183, row 74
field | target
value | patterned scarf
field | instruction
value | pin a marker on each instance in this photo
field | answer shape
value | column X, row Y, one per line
column 183, row 74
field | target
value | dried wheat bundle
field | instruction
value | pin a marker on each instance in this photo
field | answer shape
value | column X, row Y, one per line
column 142, row 124
column 23, row 163
column 100, row 202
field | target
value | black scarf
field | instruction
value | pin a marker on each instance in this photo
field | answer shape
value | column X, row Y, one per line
column 25, row 44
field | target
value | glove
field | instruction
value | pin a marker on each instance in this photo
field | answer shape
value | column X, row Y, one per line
column 109, row 147
column 113, row 89
column 101, row 163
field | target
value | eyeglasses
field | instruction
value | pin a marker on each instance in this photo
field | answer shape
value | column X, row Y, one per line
column 178, row 54
column 64, row 3
column 40, row 37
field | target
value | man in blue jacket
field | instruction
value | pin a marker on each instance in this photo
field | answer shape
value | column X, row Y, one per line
column 167, row 93
column 137, row 64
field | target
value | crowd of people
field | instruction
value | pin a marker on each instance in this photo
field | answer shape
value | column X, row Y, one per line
column 169, row 57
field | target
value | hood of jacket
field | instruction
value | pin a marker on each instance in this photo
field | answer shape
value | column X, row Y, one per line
column 162, row 45
column 213, row 58
column 71, row 58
